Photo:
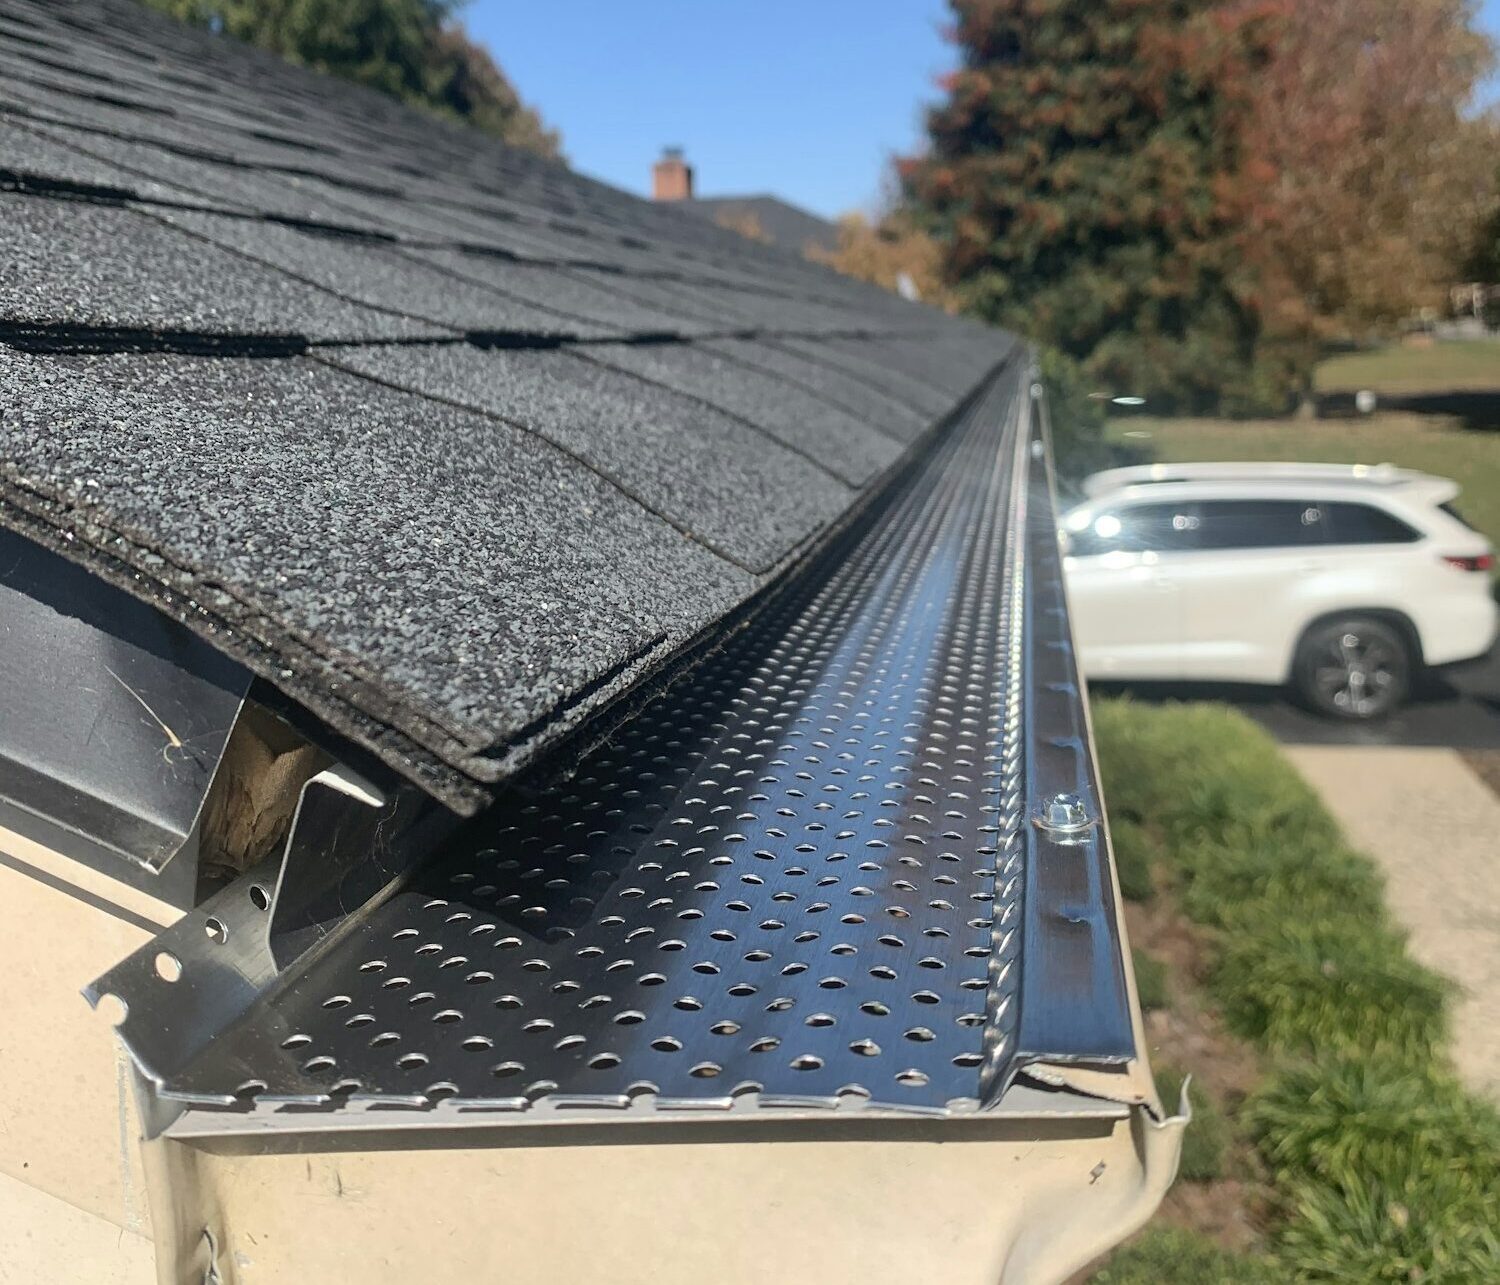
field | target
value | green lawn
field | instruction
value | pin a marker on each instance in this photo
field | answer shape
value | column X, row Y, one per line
column 1432, row 443
column 1444, row 367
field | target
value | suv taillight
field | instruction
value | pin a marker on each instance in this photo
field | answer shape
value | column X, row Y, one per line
column 1484, row 562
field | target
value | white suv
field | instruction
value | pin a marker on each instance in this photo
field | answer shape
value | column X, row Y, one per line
column 1341, row 580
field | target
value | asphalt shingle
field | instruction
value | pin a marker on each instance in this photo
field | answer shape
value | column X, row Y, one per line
column 895, row 420
column 854, row 359
column 384, row 277
column 470, row 572
column 471, row 445
column 729, row 485
column 808, row 424
column 603, row 299
column 67, row 264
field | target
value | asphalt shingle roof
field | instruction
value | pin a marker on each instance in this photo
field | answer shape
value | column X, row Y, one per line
column 451, row 444
column 784, row 224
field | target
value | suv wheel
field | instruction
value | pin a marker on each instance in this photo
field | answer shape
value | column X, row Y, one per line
column 1356, row 668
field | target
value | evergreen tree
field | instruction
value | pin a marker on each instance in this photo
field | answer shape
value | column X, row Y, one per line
column 411, row 49
column 1091, row 178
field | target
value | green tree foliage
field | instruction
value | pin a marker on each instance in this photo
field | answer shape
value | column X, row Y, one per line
column 1485, row 261
column 1092, row 179
column 1484, row 257
column 411, row 49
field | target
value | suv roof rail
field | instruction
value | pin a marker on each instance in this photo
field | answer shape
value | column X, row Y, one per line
column 1253, row 471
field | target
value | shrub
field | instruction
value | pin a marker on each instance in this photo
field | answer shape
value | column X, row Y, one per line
column 1171, row 1256
column 1374, row 1228
column 1133, row 851
column 1385, row 1170
column 1154, row 759
column 1242, row 875
column 1076, row 417
column 1150, row 980
column 1336, row 1119
column 1329, row 985
column 1206, row 1141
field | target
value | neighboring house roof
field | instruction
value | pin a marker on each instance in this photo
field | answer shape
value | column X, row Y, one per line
column 448, row 443
column 783, row 224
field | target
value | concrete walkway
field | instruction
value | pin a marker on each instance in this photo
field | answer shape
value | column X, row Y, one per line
column 1434, row 828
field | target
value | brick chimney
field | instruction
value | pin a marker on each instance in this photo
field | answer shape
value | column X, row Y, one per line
column 672, row 177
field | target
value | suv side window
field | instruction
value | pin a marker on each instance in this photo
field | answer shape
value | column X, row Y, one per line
column 1365, row 524
column 1138, row 528
column 1261, row 524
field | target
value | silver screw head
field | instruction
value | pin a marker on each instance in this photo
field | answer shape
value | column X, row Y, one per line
column 1063, row 814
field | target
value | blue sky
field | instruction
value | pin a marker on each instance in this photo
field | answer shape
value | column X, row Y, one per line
column 804, row 98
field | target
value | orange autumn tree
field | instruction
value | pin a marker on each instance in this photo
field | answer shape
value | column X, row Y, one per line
column 1379, row 174
column 892, row 251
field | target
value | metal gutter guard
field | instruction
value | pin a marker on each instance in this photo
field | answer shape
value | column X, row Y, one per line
column 852, row 860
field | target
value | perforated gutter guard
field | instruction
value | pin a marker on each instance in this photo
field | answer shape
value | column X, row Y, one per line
column 853, row 860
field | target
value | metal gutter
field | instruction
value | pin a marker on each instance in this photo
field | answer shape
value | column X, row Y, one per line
column 116, row 720
column 851, row 862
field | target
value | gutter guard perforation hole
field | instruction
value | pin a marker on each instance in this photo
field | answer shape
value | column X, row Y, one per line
column 112, row 1008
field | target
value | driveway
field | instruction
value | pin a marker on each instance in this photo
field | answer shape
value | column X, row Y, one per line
column 1458, row 709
